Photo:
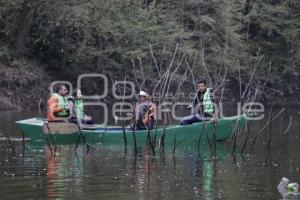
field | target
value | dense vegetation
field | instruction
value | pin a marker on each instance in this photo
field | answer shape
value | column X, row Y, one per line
column 112, row 36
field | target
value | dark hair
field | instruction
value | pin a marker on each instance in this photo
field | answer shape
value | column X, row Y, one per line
column 75, row 92
column 59, row 86
column 202, row 81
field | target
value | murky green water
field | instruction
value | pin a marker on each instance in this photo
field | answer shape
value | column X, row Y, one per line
column 109, row 173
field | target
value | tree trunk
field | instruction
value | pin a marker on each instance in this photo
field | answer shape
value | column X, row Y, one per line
column 23, row 27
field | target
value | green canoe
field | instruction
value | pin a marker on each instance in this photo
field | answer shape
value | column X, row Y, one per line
column 34, row 128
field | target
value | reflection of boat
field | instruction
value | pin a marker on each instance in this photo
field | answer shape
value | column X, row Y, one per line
column 108, row 172
column 63, row 133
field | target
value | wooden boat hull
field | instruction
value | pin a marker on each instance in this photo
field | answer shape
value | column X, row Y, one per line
column 222, row 129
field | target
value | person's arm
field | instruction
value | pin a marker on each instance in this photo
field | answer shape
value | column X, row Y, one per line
column 196, row 99
column 154, row 110
column 86, row 117
column 53, row 107
column 53, row 104
column 138, row 112
column 195, row 102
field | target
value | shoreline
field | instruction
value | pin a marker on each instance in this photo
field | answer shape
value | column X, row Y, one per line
column 25, row 86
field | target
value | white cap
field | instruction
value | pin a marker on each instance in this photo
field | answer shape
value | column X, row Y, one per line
column 145, row 94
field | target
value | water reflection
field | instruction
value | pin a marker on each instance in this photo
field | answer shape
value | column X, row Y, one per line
column 109, row 174
column 52, row 163
column 64, row 173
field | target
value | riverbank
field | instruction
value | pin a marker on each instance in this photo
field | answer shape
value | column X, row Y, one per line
column 24, row 85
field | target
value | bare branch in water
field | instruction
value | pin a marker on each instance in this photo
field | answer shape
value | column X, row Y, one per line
column 268, row 122
column 285, row 132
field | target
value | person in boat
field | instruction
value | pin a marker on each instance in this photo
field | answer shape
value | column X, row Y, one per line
column 145, row 112
column 58, row 107
column 203, row 104
column 78, row 112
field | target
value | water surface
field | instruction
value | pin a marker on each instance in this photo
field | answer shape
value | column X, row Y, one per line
column 109, row 173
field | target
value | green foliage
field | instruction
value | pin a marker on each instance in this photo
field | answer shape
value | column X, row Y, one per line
column 97, row 34
column 9, row 11
column 274, row 27
column 6, row 55
column 106, row 36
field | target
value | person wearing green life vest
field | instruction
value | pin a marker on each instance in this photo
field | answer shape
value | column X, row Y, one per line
column 58, row 107
column 78, row 111
column 203, row 104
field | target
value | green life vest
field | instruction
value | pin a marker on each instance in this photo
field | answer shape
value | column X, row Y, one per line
column 62, row 103
column 207, row 102
column 78, row 107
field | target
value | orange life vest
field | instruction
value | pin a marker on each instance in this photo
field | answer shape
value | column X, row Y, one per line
column 149, row 115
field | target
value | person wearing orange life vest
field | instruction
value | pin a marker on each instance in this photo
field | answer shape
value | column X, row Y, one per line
column 58, row 107
column 145, row 112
